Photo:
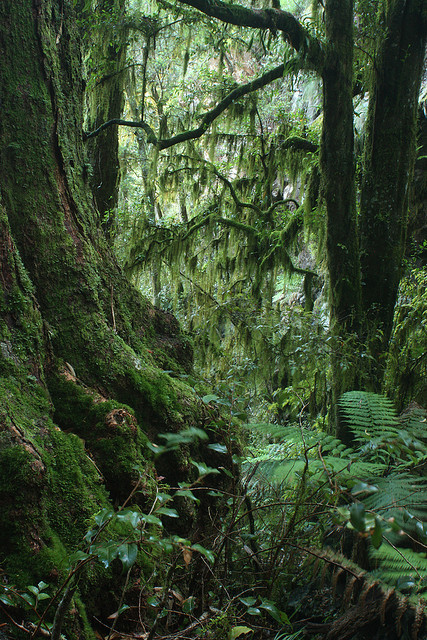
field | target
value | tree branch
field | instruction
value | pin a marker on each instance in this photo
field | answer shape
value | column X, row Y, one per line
column 274, row 19
column 210, row 116
column 151, row 136
column 207, row 119
column 300, row 144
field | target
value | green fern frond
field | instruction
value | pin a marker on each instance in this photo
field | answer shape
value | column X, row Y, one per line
column 399, row 493
column 284, row 460
column 368, row 415
column 396, row 565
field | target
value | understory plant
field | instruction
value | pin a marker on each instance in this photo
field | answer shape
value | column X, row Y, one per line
column 299, row 491
column 368, row 495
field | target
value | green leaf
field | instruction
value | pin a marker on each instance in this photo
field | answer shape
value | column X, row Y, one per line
column 124, row 607
column 33, row 589
column 186, row 493
column 420, row 529
column 42, row 585
column 43, row 596
column 130, row 516
column 28, row 599
column 219, row 448
column 90, row 535
column 363, row 487
column 248, row 602
column 276, row 614
column 7, row 600
column 203, row 468
column 253, row 611
column 210, row 398
column 173, row 440
column 106, row 552
column 406, row 583
column 377, row 534
column 152, row 601
column 150, row 519
column 165, row 511
column 236, row 632
column 205, row 552
column 103, row 516
column 163, row 497
column 127, row 553
column 357, row 516
column 156, row 448
column 188, row 604
column 77, row 556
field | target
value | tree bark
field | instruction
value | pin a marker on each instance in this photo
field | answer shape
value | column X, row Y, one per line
column 388, row 169
column 105, row 100
column 338, row 190
column 82, row 354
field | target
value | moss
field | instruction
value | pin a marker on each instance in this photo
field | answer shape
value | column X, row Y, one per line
column 109, row 429
column 67, row 301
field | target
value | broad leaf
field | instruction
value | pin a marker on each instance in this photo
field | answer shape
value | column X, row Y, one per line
column 127, row 553
column 236, row 632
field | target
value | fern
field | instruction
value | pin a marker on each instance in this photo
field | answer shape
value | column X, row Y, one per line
column 381, row 470
column 368, row 415
column 398, row 494
column 284, row 461
column 402, row 567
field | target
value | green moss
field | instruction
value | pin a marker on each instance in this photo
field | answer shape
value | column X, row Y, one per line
column 109, row 429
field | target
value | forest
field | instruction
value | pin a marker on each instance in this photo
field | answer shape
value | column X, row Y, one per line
column 213, row 319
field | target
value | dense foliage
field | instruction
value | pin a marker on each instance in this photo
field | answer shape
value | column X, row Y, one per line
column 255, row 169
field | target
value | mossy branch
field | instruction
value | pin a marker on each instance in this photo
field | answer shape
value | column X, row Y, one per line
column 246, row 228
column 151, row 136
column 207, row 119
column 250, row 205
column 273, row 19
column 300, row 144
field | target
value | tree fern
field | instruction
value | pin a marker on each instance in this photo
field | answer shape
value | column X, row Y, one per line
column 381, row 471
column 405, row 568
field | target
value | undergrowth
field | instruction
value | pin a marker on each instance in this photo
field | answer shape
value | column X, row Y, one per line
column 295, row 492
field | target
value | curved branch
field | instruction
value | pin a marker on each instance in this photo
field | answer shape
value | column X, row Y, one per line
column 274, row 19
column 239, row 203
column 151, row 136
column 280, row 202
column 207, row 119
column 246, row 228
column 210, row 116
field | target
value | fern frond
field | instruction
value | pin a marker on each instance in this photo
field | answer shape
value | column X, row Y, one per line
column 368, row 415
column 398, row 564
column 397, row 493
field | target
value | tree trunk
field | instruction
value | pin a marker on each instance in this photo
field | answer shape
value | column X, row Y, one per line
column 388, row 167
column 76, row 340
column 337, row 170
column 105, row 101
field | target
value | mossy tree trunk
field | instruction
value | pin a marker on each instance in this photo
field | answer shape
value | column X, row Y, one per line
column 82, row 355
column 338, row 186
column 106, row 45
column 388, row 168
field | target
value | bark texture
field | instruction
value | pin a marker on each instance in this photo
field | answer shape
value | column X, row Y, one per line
column 105, row 100
column 388, row 168
column 82, row 354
